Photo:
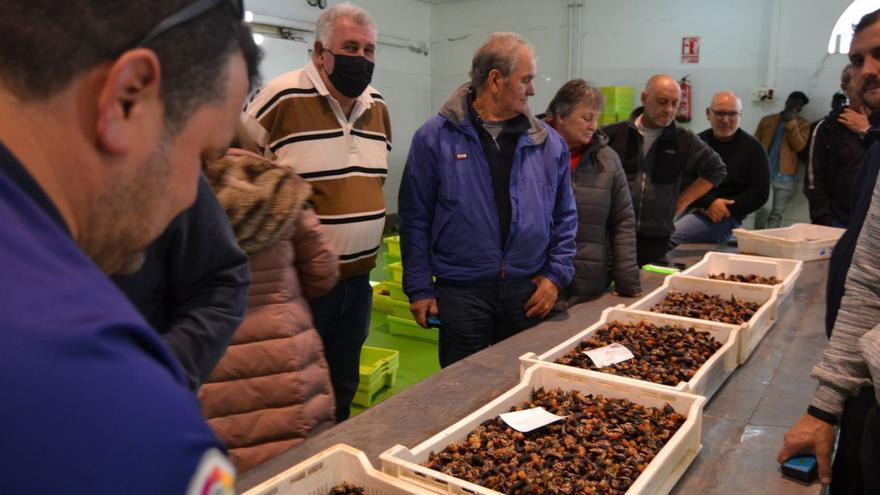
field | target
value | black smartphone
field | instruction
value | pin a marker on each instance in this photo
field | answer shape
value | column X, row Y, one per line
column 433, row 321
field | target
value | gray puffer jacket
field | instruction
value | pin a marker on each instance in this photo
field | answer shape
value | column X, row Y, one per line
column 606, row 235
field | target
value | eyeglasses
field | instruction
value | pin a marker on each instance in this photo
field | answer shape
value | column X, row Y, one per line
column 721, row 115
column 187, row 14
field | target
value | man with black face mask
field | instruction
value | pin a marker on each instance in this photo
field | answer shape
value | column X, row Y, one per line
column 333, row 129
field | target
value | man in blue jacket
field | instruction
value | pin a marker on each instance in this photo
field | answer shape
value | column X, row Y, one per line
column 106, row 113
column 486, row 207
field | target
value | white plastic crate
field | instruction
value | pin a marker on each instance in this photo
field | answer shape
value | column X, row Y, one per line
column 739, row 264
column 318, row 475
column 705, row 381
column 658, row 477
column 750, row 332
column 801, row 241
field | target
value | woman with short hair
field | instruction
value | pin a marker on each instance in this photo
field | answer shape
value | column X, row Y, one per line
column 606, row 237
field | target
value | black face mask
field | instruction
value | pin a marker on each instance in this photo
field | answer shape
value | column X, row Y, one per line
column 351, row 74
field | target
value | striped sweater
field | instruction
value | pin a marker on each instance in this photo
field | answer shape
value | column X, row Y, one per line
column 294, row 121
column 852, row 358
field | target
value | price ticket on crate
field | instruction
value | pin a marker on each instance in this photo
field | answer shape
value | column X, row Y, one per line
column 608, row 355
column 529, row 419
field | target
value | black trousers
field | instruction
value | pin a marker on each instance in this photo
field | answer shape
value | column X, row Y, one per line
column 650, row 248
column 871, row 451
column 846, row 473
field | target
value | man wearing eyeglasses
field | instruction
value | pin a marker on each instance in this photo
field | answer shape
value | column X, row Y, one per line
column 332, row 128
column 746, row 186
column 106, row 114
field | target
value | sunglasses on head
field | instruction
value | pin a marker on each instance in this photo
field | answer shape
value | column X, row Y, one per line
column 189, row 13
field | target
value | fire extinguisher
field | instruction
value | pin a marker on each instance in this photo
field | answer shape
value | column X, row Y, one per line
column 684, row 107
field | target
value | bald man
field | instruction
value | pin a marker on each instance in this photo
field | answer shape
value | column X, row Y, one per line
column 745, row 189
column 656, row 155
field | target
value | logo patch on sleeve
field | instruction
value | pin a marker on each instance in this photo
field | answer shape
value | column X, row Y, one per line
column 215, row 475
column 461, row 156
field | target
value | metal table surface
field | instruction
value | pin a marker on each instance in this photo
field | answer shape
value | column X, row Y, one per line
column 743, row 424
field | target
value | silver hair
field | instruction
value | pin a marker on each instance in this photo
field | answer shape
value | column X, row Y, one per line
column 574, row 93
column 498, row 52
column 324, row 25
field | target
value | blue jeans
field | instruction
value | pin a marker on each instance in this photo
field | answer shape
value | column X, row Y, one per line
column 342, row 318
column 476, row 316
column 780, row 195
column 696, row 227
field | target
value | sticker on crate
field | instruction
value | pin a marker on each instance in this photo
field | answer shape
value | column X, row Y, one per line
column 608, row 355
column 529, row 419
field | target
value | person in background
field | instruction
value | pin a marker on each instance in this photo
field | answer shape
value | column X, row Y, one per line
column 107, row 112
column 192, row 287
column 606, row 234
column 839, row 141
column 848, row 374
column 486, row 206
column 272, row 388
column 331, row 127
column 657, row 155
column 745, row 188
column 783, row 135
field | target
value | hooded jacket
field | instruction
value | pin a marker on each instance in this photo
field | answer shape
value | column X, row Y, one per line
column 449, row 222
column 606, row 235
column 655, row 180
column 272, row 388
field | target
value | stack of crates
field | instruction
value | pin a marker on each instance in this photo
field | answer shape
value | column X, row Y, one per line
column 378, row 369
column 618, row 104
column 389, row 298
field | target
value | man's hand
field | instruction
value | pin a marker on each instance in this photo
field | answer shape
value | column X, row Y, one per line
column 421, row 309
column 718, row 211
column 634, row 294
column 810, row 435
column 680, row 206
column 854, row 121
column 543, row 298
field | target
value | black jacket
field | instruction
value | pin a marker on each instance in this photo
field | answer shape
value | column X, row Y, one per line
column 655, row 181
column 832, row 165
column 748, row 173
column 606, row 235
column 192, row 288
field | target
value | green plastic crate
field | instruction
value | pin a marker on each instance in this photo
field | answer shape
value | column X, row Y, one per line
column 390, row 258
column 395, row 272
column 393, row 243
column 395, row 290
column 408, row 328
column 378, row 369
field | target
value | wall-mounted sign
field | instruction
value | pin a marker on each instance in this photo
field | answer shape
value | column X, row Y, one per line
column 690, row 50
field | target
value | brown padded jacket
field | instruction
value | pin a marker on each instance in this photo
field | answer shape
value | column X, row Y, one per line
column 271, row 389
column 797, row 133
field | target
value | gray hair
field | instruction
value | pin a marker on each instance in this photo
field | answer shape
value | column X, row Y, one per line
column 499, row 52
column 324, row 25
column 572, row 94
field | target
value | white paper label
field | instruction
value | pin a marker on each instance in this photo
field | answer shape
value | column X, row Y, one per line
column 529, row 419
column 608, row 355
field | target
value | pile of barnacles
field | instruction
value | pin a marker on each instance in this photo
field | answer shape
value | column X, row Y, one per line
column 747, row 279
column 706, row 307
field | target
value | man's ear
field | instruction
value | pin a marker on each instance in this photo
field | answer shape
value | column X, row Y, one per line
column 707, row 114
column 127, row 99
column 495, row 79
column 644, row 97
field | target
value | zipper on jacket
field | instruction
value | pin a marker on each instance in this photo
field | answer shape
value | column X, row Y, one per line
column 641, row 200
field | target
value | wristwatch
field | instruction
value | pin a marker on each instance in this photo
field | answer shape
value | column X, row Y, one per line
column 864, row 133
